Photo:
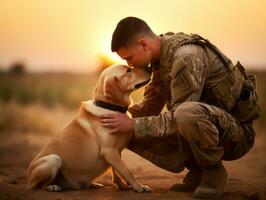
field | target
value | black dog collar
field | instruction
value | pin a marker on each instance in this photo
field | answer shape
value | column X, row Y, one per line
column 110, row 106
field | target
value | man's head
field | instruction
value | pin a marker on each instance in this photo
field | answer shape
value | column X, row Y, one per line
column 134, row 41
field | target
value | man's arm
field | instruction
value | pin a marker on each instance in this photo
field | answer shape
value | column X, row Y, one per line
column 153, row 100
column 188, row 77
column 152, row 104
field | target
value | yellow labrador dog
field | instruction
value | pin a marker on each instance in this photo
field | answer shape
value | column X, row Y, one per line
column 84, row 149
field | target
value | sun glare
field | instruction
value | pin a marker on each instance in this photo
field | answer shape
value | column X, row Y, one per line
column 106, row 50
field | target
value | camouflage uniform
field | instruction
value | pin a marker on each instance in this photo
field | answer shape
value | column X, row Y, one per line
column 195, row 125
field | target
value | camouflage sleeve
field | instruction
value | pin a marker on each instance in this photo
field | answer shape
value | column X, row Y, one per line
column 153, row 101
column 188, row 76
column 155, row 126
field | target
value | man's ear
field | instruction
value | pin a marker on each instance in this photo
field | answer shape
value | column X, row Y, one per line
column 143, row 43
column 111, row 88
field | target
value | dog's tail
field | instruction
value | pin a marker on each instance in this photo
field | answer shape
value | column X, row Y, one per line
column 43, row 171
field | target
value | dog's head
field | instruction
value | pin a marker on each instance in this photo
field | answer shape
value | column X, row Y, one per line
column 118, row 81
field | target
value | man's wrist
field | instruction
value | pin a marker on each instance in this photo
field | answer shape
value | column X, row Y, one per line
column 138, row 128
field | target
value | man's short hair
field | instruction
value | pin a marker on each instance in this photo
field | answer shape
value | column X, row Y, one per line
column 126, row 31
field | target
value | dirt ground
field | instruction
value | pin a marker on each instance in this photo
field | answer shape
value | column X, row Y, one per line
column 247, row 176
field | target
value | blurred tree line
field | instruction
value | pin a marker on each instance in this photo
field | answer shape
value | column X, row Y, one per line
column 15, row 68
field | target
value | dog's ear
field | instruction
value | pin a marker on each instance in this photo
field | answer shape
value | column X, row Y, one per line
column 111, row 88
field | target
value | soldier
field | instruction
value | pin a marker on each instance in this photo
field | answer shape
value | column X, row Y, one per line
column 211, row 106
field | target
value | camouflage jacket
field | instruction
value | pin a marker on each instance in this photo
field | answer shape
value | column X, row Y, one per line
column 184, row 73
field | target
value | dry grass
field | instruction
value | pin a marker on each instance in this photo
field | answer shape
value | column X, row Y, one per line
column 32, row 118
column 49, row 89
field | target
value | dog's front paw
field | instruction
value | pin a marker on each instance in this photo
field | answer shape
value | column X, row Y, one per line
column 53, row 188
column 143, row 188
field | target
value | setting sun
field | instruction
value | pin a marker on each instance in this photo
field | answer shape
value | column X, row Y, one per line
column 106, row 50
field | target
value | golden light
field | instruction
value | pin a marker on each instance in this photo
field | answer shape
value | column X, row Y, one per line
column 106, row 50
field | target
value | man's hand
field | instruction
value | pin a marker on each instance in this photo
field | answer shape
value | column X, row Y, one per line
column 119, row 123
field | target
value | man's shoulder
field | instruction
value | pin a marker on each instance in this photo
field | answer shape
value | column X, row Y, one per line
column 176, row 36
column 172, row 42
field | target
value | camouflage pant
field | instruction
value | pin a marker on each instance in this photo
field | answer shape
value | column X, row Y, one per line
column 204, row 132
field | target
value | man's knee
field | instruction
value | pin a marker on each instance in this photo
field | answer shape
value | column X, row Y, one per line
column 187, row 115
column 188, row 110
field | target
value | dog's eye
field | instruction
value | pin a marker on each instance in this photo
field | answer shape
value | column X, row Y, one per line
column 128, row 70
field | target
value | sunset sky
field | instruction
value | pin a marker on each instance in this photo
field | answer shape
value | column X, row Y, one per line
column 69, row 35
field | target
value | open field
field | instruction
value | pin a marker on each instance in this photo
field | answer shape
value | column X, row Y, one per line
column 34, row 107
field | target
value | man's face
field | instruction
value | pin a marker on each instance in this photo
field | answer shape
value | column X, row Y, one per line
column 137, row 55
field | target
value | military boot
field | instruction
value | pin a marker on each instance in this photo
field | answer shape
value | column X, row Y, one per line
column 192, row 178
column 213, row 182
column 190, row 182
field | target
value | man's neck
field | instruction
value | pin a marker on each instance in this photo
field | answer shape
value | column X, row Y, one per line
column 157, row 43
